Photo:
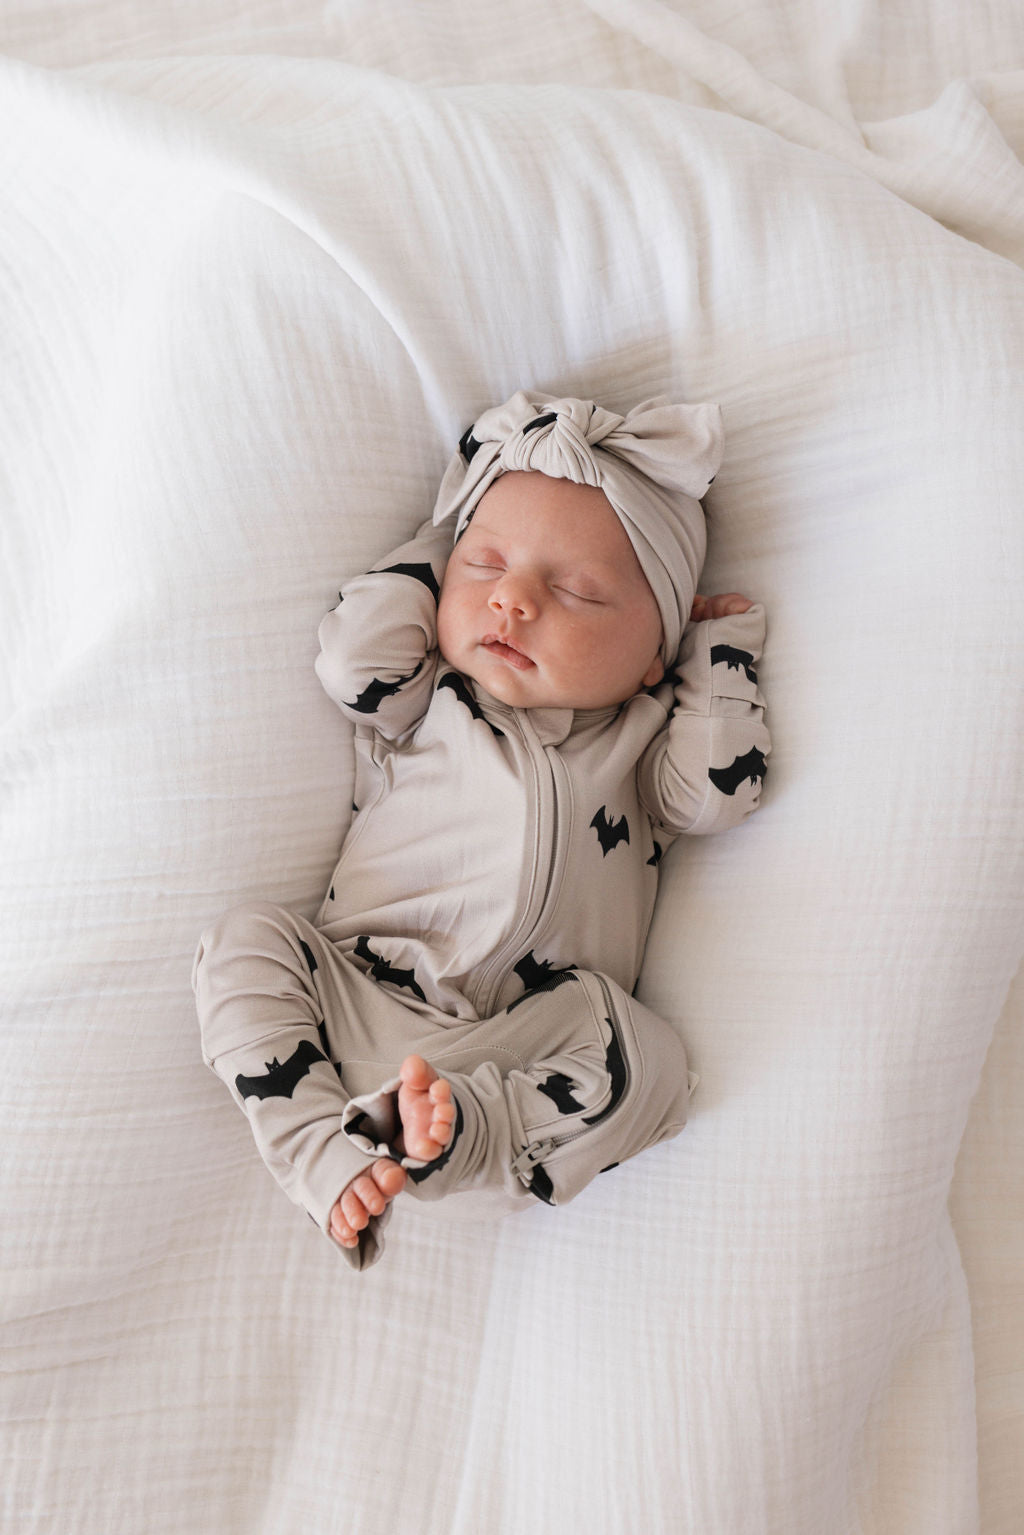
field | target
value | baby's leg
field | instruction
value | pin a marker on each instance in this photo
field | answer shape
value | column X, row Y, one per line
column 571, row 1080
column 284, row 1017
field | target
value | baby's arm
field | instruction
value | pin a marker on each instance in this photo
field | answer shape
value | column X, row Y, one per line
column 377, row 647
column 704, row 772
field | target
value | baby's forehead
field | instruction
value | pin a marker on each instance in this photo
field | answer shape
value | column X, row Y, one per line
column 531, row 505
column 559, row 523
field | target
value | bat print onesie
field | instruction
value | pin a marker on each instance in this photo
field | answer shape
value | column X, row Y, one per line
column 488, row 911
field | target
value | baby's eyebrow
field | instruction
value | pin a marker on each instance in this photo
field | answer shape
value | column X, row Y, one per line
column 596, row 573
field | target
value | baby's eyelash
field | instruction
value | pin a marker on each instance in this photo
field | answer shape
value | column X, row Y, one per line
column 495, row 564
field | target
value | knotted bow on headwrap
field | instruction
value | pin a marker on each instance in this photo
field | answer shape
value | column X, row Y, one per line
column 653, row 465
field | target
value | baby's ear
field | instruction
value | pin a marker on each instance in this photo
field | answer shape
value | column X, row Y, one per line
column 654, row 673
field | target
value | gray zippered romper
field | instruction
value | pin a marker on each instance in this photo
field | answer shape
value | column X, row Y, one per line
column 489, row 912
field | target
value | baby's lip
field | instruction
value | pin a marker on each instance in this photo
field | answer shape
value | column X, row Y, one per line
column 506, row 649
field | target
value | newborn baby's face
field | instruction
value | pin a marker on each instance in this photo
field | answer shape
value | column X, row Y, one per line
column 544, row 602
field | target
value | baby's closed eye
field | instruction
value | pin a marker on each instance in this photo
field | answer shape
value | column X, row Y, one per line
column 579, row 595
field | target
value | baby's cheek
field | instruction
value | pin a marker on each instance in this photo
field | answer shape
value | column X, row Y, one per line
column 447, row 622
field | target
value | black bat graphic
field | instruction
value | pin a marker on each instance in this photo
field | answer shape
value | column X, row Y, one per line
column 325, row 1046
column 539, row 421
column 308, row 952
column 282, row 1077
column 422, row 573
column 460, row 687
column 734, row 658
column 615, row 1065
column 372, row 696
column 656, row 856
column 609, row 833
column 539, row 975
column 558, row 1088
column 541, row 1185
column 468, row 444
column 751, row 765
column 381, row 970
column 533, row 972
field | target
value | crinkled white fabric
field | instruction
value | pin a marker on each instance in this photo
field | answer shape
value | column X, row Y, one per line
column 258, row 270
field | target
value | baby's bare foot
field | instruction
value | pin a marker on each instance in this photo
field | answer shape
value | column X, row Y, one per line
column 426, row 1110
column 369, row 1194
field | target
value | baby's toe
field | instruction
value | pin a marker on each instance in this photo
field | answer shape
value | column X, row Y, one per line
column 368, row 1194
column 389, row 1178
column 442, row 1122
column 341, row 1231
column 353, row 1210
column 442, row 1125
column 417, row 1074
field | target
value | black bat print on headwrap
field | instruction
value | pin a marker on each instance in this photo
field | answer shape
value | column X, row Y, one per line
column 750, row 766
column 468, row 445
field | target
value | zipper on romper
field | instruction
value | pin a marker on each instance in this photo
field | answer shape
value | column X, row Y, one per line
column 545, row 859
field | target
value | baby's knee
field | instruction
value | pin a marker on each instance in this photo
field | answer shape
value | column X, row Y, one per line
column 242, row 926
column 250, row 929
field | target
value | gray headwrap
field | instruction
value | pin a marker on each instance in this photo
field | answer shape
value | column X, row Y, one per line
column 653, row 464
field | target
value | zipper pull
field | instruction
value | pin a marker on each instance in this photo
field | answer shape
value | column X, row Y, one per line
column 528, row 1158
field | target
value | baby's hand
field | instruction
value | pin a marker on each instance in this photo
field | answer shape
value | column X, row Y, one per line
column 723, row 606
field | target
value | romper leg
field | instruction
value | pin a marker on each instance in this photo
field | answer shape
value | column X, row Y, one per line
column 278, row 1009
column 571, row 1079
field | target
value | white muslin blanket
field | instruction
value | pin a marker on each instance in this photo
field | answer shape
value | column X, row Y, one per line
column 260, row 267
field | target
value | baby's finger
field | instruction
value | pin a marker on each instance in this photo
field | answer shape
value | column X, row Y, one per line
column 729, row 603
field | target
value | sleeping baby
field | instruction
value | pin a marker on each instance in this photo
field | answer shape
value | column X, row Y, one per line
column 541, row 703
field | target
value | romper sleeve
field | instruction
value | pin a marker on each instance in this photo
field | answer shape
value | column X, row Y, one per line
column 378, row 647
column 704, row 771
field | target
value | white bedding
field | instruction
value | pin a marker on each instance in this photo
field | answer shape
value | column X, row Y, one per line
column 239, row 247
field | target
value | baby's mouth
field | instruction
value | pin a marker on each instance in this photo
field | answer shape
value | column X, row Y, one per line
column 504, row 650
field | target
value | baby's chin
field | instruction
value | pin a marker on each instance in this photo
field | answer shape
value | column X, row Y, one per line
column 528, row 691
column 516, row 691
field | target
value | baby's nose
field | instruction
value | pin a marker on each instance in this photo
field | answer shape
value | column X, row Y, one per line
column 514, row 595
